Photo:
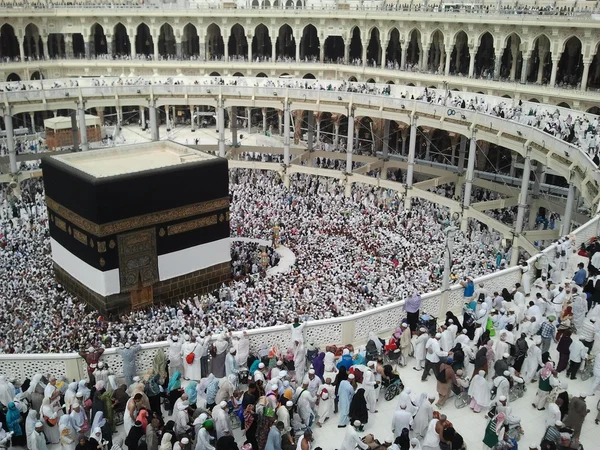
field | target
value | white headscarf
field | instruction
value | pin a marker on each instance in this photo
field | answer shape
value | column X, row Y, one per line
column 99, row 420
column 373, row 337
column 165, row 442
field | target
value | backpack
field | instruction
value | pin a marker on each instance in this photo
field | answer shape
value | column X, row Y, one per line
column 441, row 376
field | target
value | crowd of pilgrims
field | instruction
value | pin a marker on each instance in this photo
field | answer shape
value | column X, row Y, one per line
column 352, row 254
column 200, row 389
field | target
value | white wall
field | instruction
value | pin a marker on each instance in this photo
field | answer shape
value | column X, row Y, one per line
column 104, row 283
column 195, row 258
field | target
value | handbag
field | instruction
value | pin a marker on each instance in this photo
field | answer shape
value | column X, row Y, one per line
column 50, row 422
column 492, row 412
column 189, row 358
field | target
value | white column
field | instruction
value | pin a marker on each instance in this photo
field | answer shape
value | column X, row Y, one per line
column 523, row 194
column 168, row 119
column 264, row 116
column 386, row 138
column 10, row 141
column 524, row 69
column 310, row 131
column 233, row 114
column 336, row 135
column 470, row 171
column 249, row 115
column 497, row 67
column 412, row 143
column 193, row 118
column 221, row 126
column 154, row 134
column 82, row 128
column 566, row 222
column 472, row 54
column 74, row 128
column 586, row 73
column 350, row 143
column 449, row 49
column 286, row 134
column 143, row 117
column 462, row 150
column 554, row 69
column 540, row 176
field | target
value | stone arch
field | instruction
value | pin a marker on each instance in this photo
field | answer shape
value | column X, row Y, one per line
column 190, row 44
column 98, row 38
column 390, row 82
column 261, row 42
column 594, row 110
column 356, row 44
column 238, row 42
column 541, row 60
column 570, row 65
column 37, row 75
column 533, row 100
column 512, row 58
column 9, row 43
column 415, row 48
column 144, row 43
column 371, row 80
column 484, row 58
column 564, row 105
column 459, row 60
column 214, row 74
column 215, row 47
column 13, row 77
column 334, row 48
column 593, row 80
column 374, row 47
column 121, row 42
column 309, row 44
column 262, row 75
column 394, row 49
column 286, row 43
column 436, row 55
column 352, row 79
column 32, row 42
column 56, row 45
column 166, row 41
column 308, row 76
column 238, row 74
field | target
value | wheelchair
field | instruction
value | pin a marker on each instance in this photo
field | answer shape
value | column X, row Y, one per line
column 516, row 391
column 461, row 399
column 392, row 383
column 588, row 369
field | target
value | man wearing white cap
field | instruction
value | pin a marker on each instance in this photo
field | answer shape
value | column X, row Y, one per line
column 314, row 382
column 368, row 384
column 38, row 440
column 283, row 415
column 129, row 354
column 432, row 357
column 345, row 394
column 402, row 419
column 424, row 414
column 305, row 403
column 260, row 373
column 326, row 395
column 221, row 420
column 352, row 439
column 231, row 364
column 420, row 352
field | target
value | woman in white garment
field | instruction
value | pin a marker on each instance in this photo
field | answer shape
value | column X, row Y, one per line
column 68, row 438
column 32, row 418
column 50, row 422
column 70, row 395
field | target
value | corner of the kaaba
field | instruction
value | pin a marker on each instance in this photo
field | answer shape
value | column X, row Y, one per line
column 124, row 239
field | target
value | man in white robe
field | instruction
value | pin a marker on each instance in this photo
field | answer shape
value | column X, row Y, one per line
column 191, row 371
column 305, row 403
column 424, row 415
column 38, row 440
column 446, row 340
column 299, row 360
column 7, row 391
column 419, row 346
column 368, row 385
column 231, row 363
column 401, row 419
column 326, row 396
column 479, row 391
column 314, row 382
column 174, row 354
column 221, row 420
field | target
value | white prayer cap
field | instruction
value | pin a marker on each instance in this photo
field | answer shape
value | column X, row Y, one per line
column 357, row 423
column 438, row 335
column 127, row 345
column 75, row 405
column 346, row 352
column 79, row 394
column 223, row 404
column 351, row 376
column 583, row 395
column 506, row 355
column 502, row 398
column 371, row 364
column 481, row 373
column 423, row 329
column 280, row 363
column 232, row 350
column 404, row 324
column 506, row 373
column 283, row 374
column 558, row 423
column 39, row 424
column 185, row 441
column 450, row 321
column 261, row 366
column 274, row 387
column 464, row 331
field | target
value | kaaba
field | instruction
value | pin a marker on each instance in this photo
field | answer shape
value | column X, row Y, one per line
column 138, row 224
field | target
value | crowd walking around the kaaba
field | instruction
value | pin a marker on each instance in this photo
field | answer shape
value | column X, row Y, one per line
column 211, row 378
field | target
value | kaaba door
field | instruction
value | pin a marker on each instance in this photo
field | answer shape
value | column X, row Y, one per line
column 138, row 265
column 142, row 296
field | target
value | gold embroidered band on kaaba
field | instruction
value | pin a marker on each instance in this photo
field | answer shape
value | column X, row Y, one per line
column 133, row 223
